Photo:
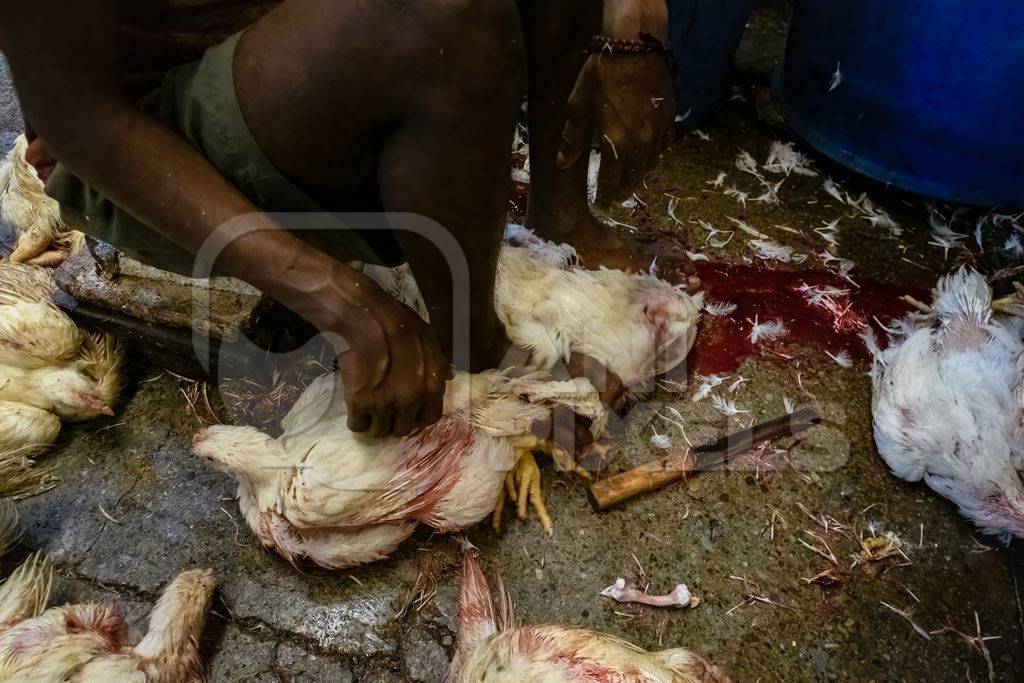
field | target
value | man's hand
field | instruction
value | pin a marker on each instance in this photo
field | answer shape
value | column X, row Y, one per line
column 39, row 157
column 629, row 99
column 566, row 429
column 393, row 369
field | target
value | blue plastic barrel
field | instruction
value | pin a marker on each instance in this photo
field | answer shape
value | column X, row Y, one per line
column 931, row 96
column 704, row 35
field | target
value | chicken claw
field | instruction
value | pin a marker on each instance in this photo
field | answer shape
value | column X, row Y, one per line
column 1012, row 304
column 522, row 486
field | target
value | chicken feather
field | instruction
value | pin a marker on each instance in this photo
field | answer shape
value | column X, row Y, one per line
column 492, row 648
column 637, row 325
column 948, row 404
column 89, row 642
column 47, row 362
column 43, row 237
column 338, row 498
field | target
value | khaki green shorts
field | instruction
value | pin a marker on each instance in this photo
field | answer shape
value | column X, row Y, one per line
column 198, row 100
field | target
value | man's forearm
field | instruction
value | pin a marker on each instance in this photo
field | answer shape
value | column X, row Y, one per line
column 172, row 188
column 626, row 19
column 149, row 170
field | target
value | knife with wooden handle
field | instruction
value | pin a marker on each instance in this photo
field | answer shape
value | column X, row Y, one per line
column 659, row 473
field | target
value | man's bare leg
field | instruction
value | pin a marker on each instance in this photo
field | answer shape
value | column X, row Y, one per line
column 423, row 93
column 557, row 39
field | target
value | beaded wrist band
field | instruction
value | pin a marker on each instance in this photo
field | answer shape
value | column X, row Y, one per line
column 646, row 45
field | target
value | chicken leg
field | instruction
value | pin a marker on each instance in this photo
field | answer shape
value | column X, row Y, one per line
column 1012, row 304
column 522, row 486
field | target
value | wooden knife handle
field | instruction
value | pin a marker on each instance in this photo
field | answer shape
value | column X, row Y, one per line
column 658, row 473
column 647, row 477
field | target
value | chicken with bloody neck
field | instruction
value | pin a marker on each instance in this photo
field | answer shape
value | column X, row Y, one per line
column 90, row 642
column 493, row 647
column 326, row 494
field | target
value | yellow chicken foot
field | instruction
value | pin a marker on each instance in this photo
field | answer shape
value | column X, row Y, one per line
column 1012, row 304
column 522, row 486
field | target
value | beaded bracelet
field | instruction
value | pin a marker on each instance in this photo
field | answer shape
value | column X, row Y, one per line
column 646, row 45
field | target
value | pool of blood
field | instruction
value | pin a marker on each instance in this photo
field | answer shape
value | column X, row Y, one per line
column 723, row 343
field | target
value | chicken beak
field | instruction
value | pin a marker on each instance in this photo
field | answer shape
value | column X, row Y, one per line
column 106, row 410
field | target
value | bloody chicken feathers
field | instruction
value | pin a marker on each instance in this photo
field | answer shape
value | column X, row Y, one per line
column 492, row 648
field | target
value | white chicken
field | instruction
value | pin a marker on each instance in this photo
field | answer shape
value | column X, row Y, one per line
column 49, row 368
column 492, row 647
column 636, row 325
column 948, row 403
column 89, row 642
column 339, row 498
column 43, row 237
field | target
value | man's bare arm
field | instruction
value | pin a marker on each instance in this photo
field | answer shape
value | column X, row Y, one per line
column 626, row 19
column 628, row 97
column 60, row 53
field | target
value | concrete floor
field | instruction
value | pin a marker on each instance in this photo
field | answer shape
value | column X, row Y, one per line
column 273, row 623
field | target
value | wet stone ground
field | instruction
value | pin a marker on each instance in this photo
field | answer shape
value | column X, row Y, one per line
column 133, row 508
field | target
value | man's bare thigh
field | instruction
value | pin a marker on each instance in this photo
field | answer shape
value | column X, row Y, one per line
column 323, row 84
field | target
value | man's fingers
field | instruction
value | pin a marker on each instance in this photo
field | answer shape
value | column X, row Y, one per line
column 609, row 385
column 614, row 395
column 381, row 422
column 635, row 172
column 358, row 419
column 574, row 141
column 609, row 178
column 579, row 122
column 405, row 421
column 430, row 412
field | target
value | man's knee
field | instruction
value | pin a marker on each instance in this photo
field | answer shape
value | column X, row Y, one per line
column 487, row 55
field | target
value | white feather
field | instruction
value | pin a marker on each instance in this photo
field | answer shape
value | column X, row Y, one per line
column 719, row 309
column 948, row 404
column 836, row 80
column 766, row 331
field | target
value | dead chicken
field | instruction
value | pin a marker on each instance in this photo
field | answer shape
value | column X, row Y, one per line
column 339, row 498
column 43, row 239
column 90, row 642
column 492, row 647
column 49, row 369
column 948, row 402
column 450, row 475
column 636, row 325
